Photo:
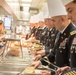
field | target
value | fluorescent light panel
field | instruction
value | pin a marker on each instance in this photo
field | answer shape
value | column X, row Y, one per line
column 26, row 5
column 11, row 0
column 13, row 4
column 26, row 0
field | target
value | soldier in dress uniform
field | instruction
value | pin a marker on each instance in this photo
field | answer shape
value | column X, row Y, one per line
column 71, row 10
column 44, row 32
column 61, row 51
column 51, row 33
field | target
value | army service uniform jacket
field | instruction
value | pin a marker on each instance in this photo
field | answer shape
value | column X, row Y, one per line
column 38, row 33
column 50, row 41
column 43, row 35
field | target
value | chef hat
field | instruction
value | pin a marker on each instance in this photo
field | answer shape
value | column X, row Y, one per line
column 45, row 11
column 65, row 2
column 56, row 8
column 41, row 17
column 31, row 19
column 34, row 19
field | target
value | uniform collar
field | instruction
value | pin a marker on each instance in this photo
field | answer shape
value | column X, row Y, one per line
column 50, row 29
column 63, row 29
column 44, row 27
column 68, row 29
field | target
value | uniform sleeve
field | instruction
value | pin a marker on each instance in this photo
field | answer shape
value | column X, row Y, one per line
column 50, row 57
column 73, row 53
column 47, row 52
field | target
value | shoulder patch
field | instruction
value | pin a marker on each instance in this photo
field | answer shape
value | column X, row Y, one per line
column 73, row 32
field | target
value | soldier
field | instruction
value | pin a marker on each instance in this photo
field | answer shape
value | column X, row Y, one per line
column 60, row 52
column 51, row 33
column 71, row 9
column 41, row 26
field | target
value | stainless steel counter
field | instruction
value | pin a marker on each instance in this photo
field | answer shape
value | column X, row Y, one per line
column 15, row 65
column 11, row 69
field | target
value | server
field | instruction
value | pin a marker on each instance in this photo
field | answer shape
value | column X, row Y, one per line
column 71, row 5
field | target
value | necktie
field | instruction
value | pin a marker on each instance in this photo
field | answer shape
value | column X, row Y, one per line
column 58, row 36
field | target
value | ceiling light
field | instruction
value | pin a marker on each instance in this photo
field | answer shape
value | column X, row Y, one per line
column 26, row 5
column 14, row 4
column 11, row 0
column 27, row 0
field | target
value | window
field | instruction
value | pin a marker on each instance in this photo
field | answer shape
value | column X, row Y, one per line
column 7, row 22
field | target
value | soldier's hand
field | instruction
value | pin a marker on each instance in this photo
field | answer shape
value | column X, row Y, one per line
column 60, row 70
column 44, row 72
column 41, row 52
column 37, row 57
column 35, row 64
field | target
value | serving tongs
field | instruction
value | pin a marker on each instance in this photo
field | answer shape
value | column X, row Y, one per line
column 42, row 67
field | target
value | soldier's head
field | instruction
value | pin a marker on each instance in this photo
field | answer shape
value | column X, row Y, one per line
column 49, row 22
column 71, row 9
column 58, row 14
column 41, row 24
column 60, row 22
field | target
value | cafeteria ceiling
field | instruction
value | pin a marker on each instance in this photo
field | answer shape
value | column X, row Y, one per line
column 22, row 9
